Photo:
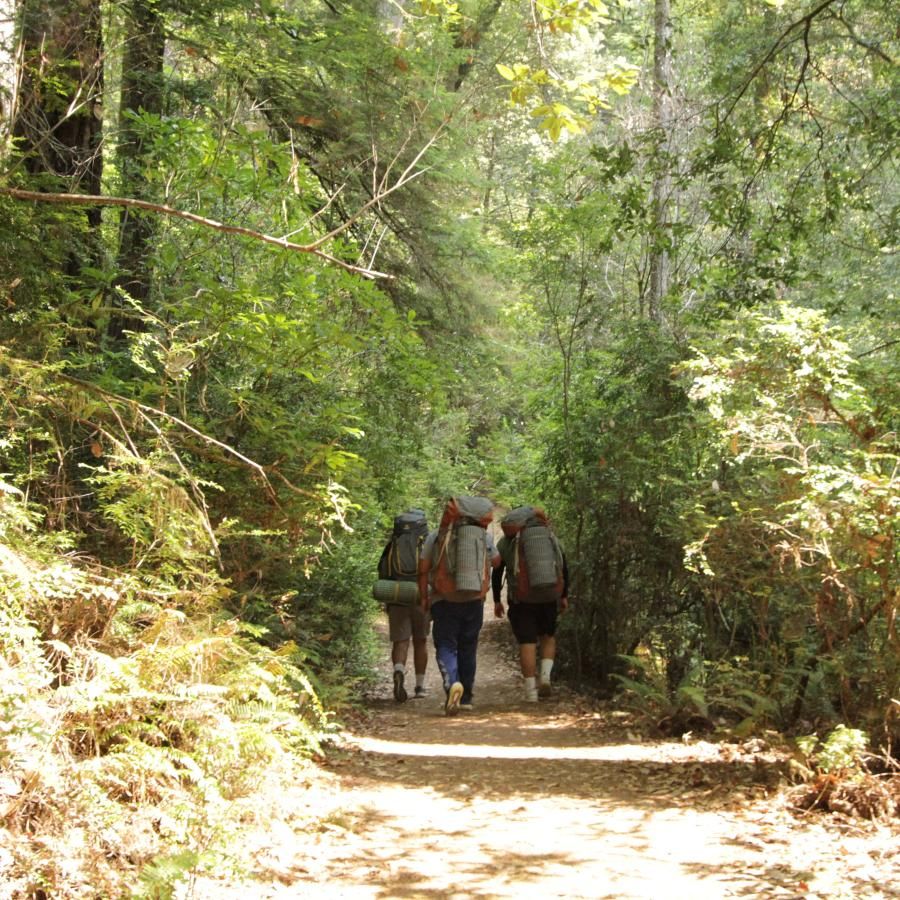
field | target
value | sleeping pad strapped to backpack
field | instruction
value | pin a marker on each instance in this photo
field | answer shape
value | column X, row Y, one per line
column 398, row 567
column 536, row 573
column 462, row 570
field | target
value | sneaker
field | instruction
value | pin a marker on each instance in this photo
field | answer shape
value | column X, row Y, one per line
column 466, row 703
column 544, row 690
column 454, row 695
column 419, row 692
column 399, row 690
column 531, row 696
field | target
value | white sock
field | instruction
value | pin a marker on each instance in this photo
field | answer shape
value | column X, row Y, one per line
column 400, row 667
column 530, row 684
column 420, row 679
column 546, row 669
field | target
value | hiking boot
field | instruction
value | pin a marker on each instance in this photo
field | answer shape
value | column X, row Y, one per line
column 531, row 695
column 419, row 692
column 454, row 695
column 544, row 690
column 399, row 690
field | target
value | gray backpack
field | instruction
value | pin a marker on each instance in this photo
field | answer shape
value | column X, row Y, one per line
column 462, row 570
column 536, row 565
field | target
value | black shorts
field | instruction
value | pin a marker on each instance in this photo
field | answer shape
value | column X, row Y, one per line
column 532, row 620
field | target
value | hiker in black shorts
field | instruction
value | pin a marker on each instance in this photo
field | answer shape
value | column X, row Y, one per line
column 537, row 588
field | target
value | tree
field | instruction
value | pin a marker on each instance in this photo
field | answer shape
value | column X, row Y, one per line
column 662, row 200
column 58, row 112
column 140, row 105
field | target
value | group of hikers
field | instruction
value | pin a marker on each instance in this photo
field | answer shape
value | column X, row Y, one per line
column 437, row 580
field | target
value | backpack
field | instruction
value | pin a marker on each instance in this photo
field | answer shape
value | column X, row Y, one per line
column 462, row 570
column 536, row 564
column 400, row 561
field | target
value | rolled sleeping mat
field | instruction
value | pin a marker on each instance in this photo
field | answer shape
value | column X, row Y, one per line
column 540, row 556
column 470, row 558
column 401, row 593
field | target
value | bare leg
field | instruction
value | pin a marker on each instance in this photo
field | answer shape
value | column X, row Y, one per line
column 548, row 652
column 528, row 659
column 548, row 646
column 420, row 656
column 400, row 652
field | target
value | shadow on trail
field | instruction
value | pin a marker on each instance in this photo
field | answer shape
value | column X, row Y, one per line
column 394, row 868
column 501, row 773
column 512, row 723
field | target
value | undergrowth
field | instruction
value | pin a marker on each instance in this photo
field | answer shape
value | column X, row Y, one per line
column 141, row 731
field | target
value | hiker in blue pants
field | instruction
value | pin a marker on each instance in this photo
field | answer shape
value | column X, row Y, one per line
column 456, row 615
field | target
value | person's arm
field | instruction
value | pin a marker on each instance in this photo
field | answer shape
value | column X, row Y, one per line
column 564, row 600
column 383, row 562
column 496, row 587
column 422, row 579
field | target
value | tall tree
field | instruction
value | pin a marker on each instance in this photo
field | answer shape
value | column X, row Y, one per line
column 662, row 182
column 142, row 92
column 57, row 119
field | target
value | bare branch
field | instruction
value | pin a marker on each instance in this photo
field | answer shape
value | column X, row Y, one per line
column 382, row 189
column 805, row 22
column 862, row 42
column 133, row 203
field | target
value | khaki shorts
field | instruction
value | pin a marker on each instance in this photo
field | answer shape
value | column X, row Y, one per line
column 407, row 622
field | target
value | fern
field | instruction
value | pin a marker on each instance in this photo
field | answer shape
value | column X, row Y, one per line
column 159, row 878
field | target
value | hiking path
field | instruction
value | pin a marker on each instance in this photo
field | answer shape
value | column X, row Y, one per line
column 560, row 799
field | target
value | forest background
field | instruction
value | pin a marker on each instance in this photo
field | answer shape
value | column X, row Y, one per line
column 274, row 271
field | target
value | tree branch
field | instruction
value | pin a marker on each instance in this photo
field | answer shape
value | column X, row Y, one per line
column 132, row 203
column 868, row 45
column 805, row 22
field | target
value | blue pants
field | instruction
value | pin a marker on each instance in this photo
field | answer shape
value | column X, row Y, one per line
column 455, row 627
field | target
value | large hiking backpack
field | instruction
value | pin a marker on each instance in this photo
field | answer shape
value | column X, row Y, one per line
column 399, row 564
column 535, row 570
column 462, row 570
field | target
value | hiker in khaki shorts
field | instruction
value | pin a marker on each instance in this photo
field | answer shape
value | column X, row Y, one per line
column 407, row 620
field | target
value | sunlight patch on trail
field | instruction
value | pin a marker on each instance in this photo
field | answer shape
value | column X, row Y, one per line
column 608, row 753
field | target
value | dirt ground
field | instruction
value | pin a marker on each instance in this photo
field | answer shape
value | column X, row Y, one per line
column 556, row 799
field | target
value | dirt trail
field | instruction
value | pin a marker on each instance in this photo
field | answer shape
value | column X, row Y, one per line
column 555, row 800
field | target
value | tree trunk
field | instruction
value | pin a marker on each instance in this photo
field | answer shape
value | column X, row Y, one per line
column 142, row 91
column 660, row 263
column 468, row 38
column 57, row 119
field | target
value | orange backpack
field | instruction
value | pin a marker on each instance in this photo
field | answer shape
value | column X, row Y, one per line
column 462, row 569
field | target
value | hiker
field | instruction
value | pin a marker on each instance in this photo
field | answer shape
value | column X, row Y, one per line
column 455, row 564
column 397, row 588
column 537, row 587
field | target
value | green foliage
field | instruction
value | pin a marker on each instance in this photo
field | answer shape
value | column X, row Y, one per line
column 159, row 878
column 838, row 754
column 196, row 478
column 707, row 694
column 804, row 484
